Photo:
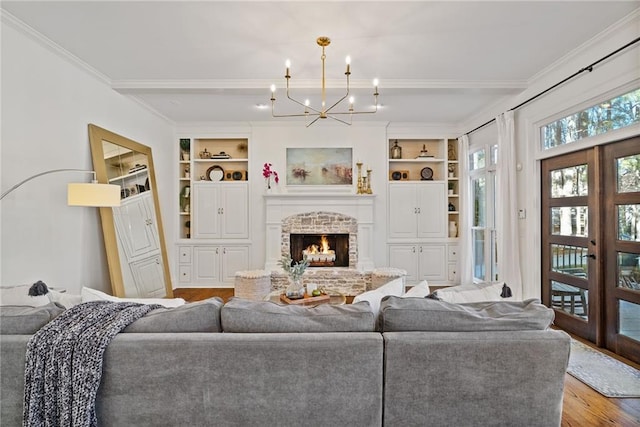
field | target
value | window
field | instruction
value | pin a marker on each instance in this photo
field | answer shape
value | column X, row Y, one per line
column 609, row 115
column 482, row 178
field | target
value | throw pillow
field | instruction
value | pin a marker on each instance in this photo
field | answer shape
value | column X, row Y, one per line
column 242, row 315
column 200, row 316
column 424, row 314
column 420, row 290
column 89, row 294
column 394, row 287
column 23, row 320
column 19, row 295
column 63, row 298
column 471, row 293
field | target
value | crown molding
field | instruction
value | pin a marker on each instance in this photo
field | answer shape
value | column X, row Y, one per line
column 52, row 46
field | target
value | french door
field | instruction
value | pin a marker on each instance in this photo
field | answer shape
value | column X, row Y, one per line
column 622, row 239
column 591, row 244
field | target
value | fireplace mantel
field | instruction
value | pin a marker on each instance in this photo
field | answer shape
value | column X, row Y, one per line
column 281, row 206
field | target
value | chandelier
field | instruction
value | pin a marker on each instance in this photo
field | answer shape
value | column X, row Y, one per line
column 324, row 112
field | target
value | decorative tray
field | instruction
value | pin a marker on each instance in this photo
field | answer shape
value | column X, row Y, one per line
column 306, row 299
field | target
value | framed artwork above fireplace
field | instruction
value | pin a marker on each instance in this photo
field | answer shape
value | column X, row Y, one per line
column 320, row 167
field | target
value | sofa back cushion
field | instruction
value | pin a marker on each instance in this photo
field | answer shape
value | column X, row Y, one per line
column 24, row 320
column 240, row 315
column 425, row 314
column 200, row 316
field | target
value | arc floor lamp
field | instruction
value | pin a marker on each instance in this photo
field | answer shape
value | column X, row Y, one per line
column 90, row 194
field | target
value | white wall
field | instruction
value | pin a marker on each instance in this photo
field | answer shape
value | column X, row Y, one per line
column 47, row 103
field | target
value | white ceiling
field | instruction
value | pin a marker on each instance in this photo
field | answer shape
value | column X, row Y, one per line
column 437, row 61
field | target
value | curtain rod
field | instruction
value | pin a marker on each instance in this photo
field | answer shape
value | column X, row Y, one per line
column 588, row 68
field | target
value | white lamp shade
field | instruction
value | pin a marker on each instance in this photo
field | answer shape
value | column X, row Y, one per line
column 96, row 195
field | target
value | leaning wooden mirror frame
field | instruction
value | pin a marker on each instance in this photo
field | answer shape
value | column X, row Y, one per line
column 133, row 233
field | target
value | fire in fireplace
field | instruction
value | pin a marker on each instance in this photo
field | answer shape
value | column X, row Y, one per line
column 322, row 250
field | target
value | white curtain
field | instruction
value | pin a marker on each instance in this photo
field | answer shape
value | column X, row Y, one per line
column 508, row 246
column 465, row 250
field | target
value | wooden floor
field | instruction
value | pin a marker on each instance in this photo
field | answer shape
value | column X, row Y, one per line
column 582, row 406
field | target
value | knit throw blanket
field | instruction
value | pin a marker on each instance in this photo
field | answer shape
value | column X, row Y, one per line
column 64, row 362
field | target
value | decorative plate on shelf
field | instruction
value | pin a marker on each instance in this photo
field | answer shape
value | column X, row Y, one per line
column 215, row 173
column 426, row 173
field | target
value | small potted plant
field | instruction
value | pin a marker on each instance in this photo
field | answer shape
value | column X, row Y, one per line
column 185, row 146
column 295, row 271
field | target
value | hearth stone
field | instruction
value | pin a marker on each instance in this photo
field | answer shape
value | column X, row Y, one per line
column 346, row 281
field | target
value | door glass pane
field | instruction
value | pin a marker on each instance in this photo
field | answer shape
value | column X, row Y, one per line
column 479, row 202
column 629, row 223
column 478, row 254
column 569, row 182
column 569, row 221
column 628, row 174
column 629, row 318
column 570, row 299
column 570, row 260
column 629, row 271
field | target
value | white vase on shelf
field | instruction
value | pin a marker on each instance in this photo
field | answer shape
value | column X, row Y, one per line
column 453, row 229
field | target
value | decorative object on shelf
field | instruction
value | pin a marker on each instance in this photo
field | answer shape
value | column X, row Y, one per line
column 424, row 152
column 205, row 154
column 267, row 173
column 185, row 146
column 452, row 207
column 242, row 147
column 187, row 225
column 453, row 229
column 369, row 181
column 220, row 155
column 451, row 187
column 451, row 152
column 402, row 175
column 426, row 174
column 395, row 152
column 452, row 170
column 295, row 272
column 215, row 173
column 185, row 195
column 187, row 174
column 324, row 112
column 81, row 194
column 230, row 175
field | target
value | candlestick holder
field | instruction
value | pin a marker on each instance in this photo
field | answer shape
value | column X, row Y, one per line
column 368, row 191
column 361, row 181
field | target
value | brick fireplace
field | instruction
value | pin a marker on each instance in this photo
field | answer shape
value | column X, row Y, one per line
column 320, row 214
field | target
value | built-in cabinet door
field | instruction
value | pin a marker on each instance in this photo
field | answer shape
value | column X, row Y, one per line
column 432, row 215
column 149, row 278
column 234, row 211
column 417, row 210
column 234, row 258
column 404, row 257
column 432, row 262
column 206, row 264
column 403, row 210
column 135, row 226
column 206, row 210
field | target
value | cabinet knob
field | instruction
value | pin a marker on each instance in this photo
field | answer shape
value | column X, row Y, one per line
column 224, row 251
column 217, row 251
column 413, row 249
column 222, row 211
column 420, row 249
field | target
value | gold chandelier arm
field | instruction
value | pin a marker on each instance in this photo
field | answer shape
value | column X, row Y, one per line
column 339, row 120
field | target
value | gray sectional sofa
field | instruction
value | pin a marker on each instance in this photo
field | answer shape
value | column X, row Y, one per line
column 419, row 363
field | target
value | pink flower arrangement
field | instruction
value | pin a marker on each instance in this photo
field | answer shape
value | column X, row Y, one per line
column 267, row 173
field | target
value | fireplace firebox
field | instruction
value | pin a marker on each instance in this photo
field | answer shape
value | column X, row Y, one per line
column 322, row 250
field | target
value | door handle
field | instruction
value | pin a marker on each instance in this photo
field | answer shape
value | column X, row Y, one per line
column 592, row 256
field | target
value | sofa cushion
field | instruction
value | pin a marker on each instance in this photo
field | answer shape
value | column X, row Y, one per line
column 89, row 294
column 425, row 314
column 240, row 315
column 25, row 320
column 200, row 316
column 19, row 296
column 471, row 293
